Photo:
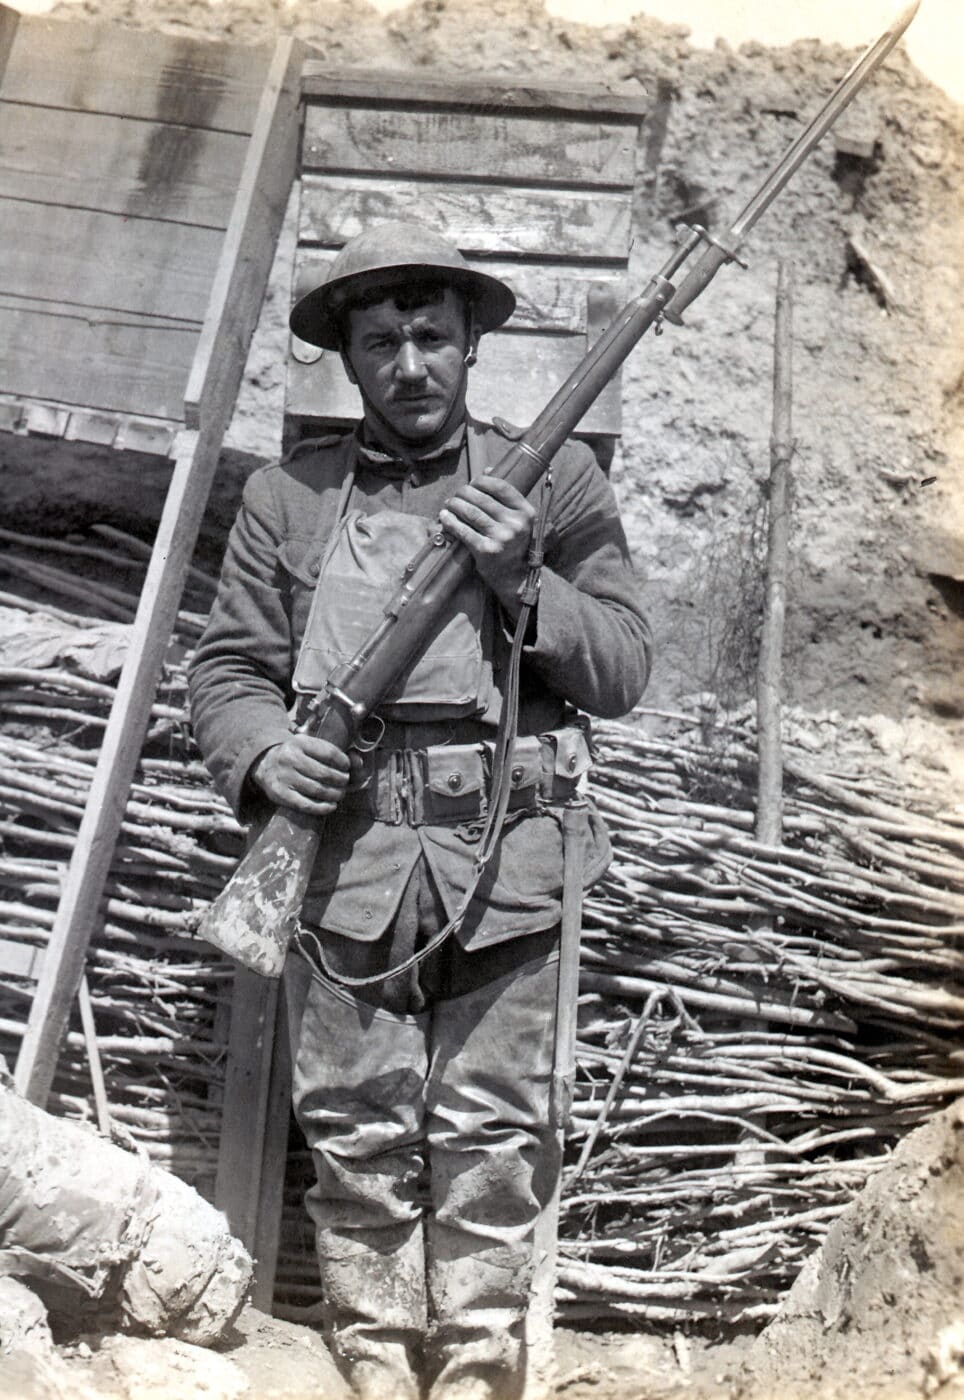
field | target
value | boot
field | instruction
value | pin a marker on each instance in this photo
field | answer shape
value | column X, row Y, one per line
column 493, row 1161
column 358, row 1092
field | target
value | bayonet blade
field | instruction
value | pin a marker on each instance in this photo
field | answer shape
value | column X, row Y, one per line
column 724, row 248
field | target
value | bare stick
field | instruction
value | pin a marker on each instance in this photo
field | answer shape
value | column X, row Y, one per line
column 93, row 1054
column 769, row 688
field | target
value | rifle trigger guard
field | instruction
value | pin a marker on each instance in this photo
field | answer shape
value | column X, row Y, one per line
column 363, row 745
column 731, row 254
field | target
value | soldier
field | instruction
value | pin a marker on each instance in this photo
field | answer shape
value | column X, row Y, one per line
column 421, row 991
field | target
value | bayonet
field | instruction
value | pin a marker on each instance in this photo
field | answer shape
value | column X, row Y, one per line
column 725, row 247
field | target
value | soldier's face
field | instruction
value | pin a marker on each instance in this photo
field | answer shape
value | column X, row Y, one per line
column 410, row 365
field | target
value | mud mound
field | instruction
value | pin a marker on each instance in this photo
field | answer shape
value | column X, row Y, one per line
column 877, row 1311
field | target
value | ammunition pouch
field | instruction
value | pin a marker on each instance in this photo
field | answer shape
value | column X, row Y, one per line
column 448, row 784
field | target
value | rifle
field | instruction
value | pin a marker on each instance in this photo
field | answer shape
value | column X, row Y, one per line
column 255, row 916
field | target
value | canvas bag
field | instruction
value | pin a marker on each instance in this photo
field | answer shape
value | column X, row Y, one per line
column 360, row 571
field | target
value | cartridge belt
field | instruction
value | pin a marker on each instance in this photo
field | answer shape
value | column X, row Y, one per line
column 447, row 784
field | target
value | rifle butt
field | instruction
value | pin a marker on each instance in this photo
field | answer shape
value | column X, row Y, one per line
column 255, row 916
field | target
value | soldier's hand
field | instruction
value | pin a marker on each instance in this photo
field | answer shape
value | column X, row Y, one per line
column 494, row 522
column 305, row 773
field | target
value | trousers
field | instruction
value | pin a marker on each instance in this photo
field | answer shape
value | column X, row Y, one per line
column 429, row 1132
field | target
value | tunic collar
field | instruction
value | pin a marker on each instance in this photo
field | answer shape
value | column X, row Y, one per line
column 373, row 456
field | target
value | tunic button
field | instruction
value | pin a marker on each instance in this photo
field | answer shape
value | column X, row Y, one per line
column 455, row 781
column 369, row 914
column 571, row 762
column 314, row 569
column 517, row 773
column 415, row 479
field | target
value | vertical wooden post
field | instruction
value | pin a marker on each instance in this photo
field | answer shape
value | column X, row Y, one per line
column 219, row 363
column 769, row 687
column 768, row 827
column 254, row 1128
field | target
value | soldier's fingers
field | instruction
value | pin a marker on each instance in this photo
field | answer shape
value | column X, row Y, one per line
column 469, row 513
column 320, row 751
column 317, row 798
column 478, row 541
column 494, row 496
column 314, row 808
column 504, row 491
column 317, row 789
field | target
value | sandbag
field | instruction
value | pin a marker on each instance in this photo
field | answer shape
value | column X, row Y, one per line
column 81, row 1216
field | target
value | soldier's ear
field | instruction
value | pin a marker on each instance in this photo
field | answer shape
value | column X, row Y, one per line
column 471, row 350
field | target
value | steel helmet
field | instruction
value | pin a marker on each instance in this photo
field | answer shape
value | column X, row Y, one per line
column 387, row 255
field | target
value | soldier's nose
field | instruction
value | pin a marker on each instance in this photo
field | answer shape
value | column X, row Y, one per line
column 408, row 362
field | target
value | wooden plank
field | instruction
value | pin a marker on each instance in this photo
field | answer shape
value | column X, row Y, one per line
column 477, row 218
column 516, row 376
column 275, row 1158
column 253, row 1142
column 142, row 266
column 482, row 90
column 134, row 73
column 9, row 21
column 95, row 359
column 548, row 298
column 251, row 1038
column 120, row 430
column 466, row 145
column 246, row 257
column 147, row 169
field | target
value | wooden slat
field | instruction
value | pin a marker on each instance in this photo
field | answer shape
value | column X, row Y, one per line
column 9, row 20
column 242, row 274
column 468, row 145
column 120, row 430
column 548, row 298
column 515, row 378
column 481, row 90
column 110, row 360
column 148, row 169
column 133, row 73
column 241, row 1147
column 477, row 218
column 142, row 266
column 517, row 375
column 267, row 1237
column 253, row 1144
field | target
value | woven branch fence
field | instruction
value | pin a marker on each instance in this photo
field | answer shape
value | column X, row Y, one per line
column 758, row 1025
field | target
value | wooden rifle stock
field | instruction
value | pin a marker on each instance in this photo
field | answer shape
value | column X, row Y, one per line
column 256, row 914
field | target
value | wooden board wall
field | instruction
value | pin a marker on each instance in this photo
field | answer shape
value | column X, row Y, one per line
column 533, row 184
column 121, row 153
